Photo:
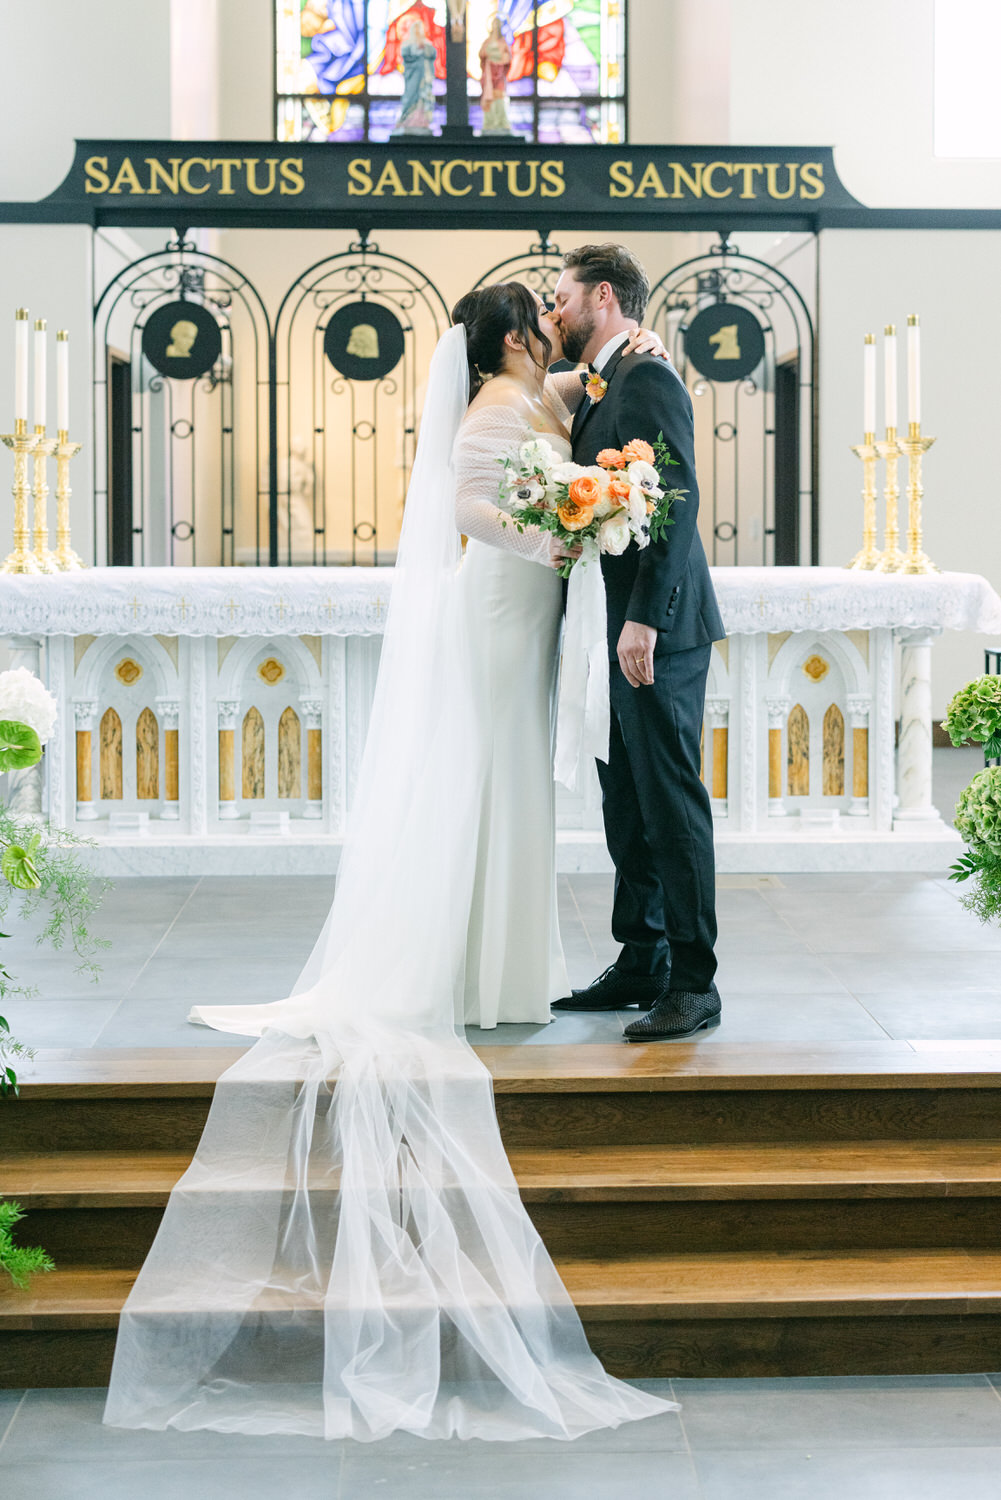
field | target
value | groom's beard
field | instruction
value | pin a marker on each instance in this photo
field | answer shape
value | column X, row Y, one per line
column 577, row 338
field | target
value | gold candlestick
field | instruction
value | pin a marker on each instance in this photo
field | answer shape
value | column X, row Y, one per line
column 915, row 446
column 868, row 557
column 21, row 442
column 66, row 558
column 891, row 558
column 45, row 559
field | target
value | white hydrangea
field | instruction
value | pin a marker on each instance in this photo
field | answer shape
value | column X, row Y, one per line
column 25, row 700
column 538, row 456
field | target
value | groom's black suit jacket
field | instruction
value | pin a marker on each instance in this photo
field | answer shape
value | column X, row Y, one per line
column 667, row 585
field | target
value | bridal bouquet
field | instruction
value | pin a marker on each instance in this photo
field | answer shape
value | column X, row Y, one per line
column 619, row 500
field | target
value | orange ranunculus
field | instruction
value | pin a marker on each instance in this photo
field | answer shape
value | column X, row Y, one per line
column 619, row 488
column 609, row 458
column 638, row 450
column 585, row 490
column 575, row 517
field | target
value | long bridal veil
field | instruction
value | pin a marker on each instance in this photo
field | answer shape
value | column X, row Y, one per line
column 347, row 1254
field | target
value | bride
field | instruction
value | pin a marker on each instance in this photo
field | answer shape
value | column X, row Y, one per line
column 347, row 1254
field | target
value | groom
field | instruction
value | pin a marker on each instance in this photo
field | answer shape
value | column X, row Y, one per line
column 662, row 621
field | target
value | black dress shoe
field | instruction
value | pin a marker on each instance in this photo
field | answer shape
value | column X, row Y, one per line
column 681, row 1013
column 614, row 990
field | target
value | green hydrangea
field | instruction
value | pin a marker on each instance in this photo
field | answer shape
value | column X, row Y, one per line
column 978, row 811
column 975, row 714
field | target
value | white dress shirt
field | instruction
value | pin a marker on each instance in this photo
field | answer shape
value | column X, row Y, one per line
column 607, row 350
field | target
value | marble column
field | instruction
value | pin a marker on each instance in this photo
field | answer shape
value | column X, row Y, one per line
column 778, row 712
column 914, row 757
column 84, row 714
column 717, row 769
column 169, row 710
column 859, row 709
column 228, row 713
column 312, row 713
column 24, row 788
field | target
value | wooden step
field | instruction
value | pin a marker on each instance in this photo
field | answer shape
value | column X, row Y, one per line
column 658, row 1315
column 158, row 1098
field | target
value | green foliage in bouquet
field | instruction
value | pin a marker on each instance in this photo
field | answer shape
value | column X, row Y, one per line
column 975, row 715
column 21, row 1262
column 978, row 820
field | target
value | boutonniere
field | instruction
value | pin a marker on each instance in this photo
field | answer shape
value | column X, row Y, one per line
column 595, row 387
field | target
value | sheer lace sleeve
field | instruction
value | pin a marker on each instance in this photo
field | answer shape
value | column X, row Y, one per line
column 492, row 433
column 567, row 390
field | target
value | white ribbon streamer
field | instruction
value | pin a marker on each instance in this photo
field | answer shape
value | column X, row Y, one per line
column 582, row 714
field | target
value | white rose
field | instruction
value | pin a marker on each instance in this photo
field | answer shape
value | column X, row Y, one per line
column 606, row 506
column 614, row 535
column 563, row 473
column 24, row 700
column 644, row 476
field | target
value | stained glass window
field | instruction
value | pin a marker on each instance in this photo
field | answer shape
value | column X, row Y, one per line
column 339, row 66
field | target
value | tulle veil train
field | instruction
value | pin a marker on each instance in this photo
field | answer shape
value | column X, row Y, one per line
column 347, row 1255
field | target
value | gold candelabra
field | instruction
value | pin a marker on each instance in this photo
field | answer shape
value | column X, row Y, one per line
column 915, row 447
column 891, row 559
column 66, row 559
column 44, row 446
column 21, row 442
column 867, row 558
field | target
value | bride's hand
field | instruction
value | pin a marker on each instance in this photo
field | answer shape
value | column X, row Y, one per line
column 560, row 554
column 645, row 341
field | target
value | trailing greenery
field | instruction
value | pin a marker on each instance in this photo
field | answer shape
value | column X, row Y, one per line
column 45, row 874
column 974, row 715
column 21, row 1262
column 10, row 1047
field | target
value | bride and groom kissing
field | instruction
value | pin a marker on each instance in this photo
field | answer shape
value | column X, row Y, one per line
column 662, row 618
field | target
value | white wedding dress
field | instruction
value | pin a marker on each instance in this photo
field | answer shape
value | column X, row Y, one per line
column 512, row 609
column 348, row 1254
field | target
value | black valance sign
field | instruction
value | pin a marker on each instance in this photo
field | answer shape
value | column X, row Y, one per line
column 474, row 183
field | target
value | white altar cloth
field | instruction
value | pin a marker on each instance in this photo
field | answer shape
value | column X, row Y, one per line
column 353, row 601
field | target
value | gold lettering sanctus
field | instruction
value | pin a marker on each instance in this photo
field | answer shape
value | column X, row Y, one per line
column 419, row 173
column 682, row 174
column 293, row 181
column 226, row 165
column 747, row 170
column 185, row 174
column 811, row 175
column 389, row 177
column 359, row 181
column 446, row 178
column 553, row 182
column 98, row 180
column 250, row 162
column 651, row 182
column 771, row 173
column 488, row 168
column 621, row 184
column 707, row 179
column 157, row 170
column 127, row 174
column 512, row 178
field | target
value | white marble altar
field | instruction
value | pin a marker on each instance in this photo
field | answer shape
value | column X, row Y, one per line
column 213, row 718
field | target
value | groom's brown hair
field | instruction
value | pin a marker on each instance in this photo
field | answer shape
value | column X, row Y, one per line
column 619, row 267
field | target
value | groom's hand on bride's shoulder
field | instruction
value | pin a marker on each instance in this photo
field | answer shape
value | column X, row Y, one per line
column 635, row 653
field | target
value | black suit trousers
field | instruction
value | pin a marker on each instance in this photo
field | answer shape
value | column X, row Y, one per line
column 658, row 822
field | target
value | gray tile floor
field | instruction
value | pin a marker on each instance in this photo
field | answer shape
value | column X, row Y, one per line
column 818, row 958
column 909, row 1438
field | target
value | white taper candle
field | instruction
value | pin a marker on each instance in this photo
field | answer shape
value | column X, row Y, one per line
column 62, row 381
column 21, row 365
column 40, row 372
column 869, row 384
column 913, row 369
column 890, row 375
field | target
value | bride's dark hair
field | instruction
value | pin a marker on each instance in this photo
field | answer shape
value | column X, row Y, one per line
column 490, row 313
